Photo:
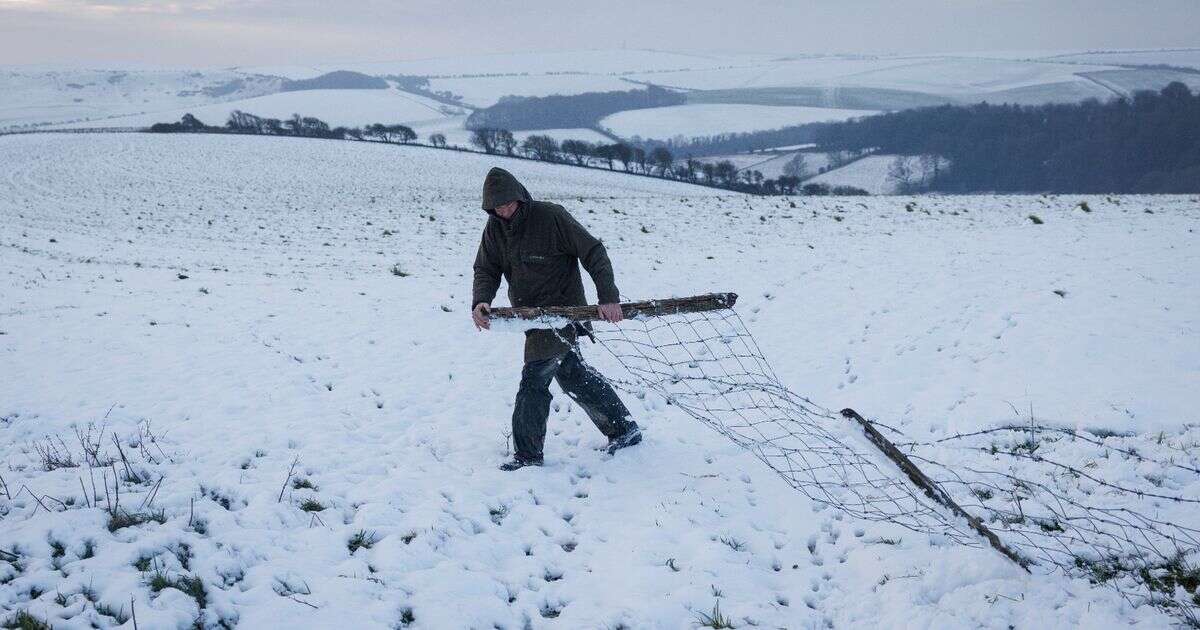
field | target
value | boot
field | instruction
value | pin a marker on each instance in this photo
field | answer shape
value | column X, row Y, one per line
column 631, row 436
column 520, row 462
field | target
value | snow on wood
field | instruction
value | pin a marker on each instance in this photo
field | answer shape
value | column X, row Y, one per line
column 642, row 308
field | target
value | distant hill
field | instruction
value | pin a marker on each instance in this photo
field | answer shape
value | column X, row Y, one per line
column 1149, row 143
column 565, row 112
column 336, row 80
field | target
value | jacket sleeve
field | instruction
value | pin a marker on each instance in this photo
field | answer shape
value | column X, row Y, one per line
column 487, row 269
column 591, row 253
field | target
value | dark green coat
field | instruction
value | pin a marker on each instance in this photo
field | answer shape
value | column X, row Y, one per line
column 538, row 253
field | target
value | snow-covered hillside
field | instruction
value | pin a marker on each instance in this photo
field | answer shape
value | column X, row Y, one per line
column 456, row 133
column 872, row 174
column 690, row 121
column 1182, row 57
column 63, row 95
column 726, row 93
column 349, row 108
column 277, row 333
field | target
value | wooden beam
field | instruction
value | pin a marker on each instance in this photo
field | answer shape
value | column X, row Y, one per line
column 931, row 489
column 644, row 308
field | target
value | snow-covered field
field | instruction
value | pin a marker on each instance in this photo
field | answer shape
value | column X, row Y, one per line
column 872, row 174
column 966, row 77
column 483, row 79
column 486, row 91
column 234, row 298
column 337, row 107
column 690, row 121
column 731, row 92
column 773, row 168
column 457, row 134
column 777, row 72
column 960, row 78
column 591, row 61
column 769, row 163
column 35, row 95
column 1183, row 57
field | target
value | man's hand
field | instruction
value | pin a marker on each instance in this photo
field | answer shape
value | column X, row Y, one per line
column 611, row 312
column 480, row 316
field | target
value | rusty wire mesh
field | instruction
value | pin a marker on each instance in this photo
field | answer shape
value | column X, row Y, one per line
column 1057, row 515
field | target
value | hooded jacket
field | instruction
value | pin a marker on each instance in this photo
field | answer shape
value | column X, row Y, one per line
column 537, row 252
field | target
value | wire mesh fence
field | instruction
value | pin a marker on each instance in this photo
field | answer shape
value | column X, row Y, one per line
column 1027, row 486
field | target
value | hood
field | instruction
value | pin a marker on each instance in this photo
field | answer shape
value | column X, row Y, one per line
column 500, row 187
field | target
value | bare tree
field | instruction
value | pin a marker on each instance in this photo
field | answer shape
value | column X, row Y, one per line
column 624, row 153
column 315, row 127
column 662, row 159
column 242, row 121
column 391, row 133
column 639, row 157
column 931, row 168
column 788, row 184
column 404, row 133
column 485, row 139
column 606, row 152
column 191, row 123
column 579, row 150
column 726, row 172
column 797, row 166
column 505, row 141
column 437, row 140
column 541, row 147
column 900, row 173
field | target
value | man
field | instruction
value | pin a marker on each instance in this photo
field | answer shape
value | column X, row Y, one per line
column 537, row 247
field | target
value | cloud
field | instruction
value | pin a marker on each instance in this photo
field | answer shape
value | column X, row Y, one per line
column 226, row 32
column 134, row 6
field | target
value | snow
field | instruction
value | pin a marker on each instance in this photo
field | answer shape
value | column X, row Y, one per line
column 1183, row 57
column 486, row 91
column 813, row 163
column 458, row 135
column 706, row 120
column 589, row 135
column 771, row 163
column 871, row 174
column 294, row 72
column 41, row 95
column 932, row 314
column 598, row 61
column 336, row 107
column 774, row 73
column 751, row 82
column 967, row 77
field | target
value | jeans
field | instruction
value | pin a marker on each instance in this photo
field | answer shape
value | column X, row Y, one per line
column 577, row 380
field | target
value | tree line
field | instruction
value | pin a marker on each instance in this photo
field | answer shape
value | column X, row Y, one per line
column 297, row 125
column 1147, row 143
column 658, row 162
column 738, row 142
column 336, row 80
column 565, row 112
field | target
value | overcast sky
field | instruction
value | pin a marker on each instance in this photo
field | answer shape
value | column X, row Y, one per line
column 207, row 33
